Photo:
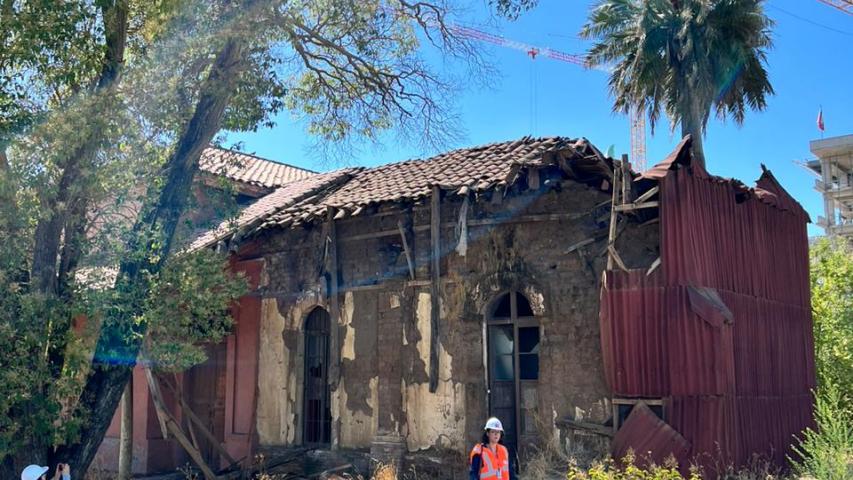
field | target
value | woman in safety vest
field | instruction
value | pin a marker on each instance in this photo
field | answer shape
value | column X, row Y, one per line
column 489, row 459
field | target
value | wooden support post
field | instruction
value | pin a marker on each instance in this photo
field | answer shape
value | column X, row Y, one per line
column 335, row 310
column 185, row 408
column 154, row 391
column 125, row 449
column 626, row 178
column 611, row 236
column 435, row 277
column 172, row 426
column 406, row 249
column 533, row 178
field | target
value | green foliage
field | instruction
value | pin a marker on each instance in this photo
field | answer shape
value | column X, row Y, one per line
column 188, row 307
column 35, row 405
column 683, row 57
column 832, row 309
column 512, row 8
column 90, row 152
column 628, row 469
column 827, row 452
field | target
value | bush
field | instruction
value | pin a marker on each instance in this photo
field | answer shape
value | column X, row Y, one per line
column 827, row 453
column 628, row 469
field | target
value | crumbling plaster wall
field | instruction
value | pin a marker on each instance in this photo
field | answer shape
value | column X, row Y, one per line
column 384, row 384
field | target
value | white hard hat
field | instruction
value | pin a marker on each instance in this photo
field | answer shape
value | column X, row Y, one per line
column 494, row 424
column 33, row 472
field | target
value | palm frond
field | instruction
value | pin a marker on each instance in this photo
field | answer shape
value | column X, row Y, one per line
column 683, row 58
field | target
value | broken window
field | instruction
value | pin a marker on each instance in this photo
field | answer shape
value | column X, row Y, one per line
column 528, row 353
column 513, row 353
column 622, row 407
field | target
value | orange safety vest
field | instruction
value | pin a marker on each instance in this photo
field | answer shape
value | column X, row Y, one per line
column 493, row 466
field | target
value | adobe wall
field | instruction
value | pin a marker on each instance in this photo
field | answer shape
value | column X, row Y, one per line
column 384, row 323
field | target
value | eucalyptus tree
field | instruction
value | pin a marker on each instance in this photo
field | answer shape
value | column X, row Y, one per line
column 99, row 96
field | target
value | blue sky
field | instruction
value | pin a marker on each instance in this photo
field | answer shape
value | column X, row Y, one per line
column 810, row 65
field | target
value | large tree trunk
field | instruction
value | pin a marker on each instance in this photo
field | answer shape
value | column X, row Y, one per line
column 691, row 124
column 59, row 233
column 50, row 228
column 116, row 352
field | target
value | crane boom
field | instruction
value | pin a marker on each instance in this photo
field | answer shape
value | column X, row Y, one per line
column 845, row 6
column 636, row 117
column 532, row 50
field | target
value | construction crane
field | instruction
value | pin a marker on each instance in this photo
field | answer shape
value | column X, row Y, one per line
column 845, row 6
column 636, row 117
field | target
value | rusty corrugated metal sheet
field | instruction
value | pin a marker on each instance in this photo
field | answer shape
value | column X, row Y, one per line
column 650, row 439
column 722, row 330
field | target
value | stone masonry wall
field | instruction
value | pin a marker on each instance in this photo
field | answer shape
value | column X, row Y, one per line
column 384, row 325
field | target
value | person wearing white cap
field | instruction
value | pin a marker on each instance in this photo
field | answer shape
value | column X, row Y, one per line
column 36, row 472
column 489, row 459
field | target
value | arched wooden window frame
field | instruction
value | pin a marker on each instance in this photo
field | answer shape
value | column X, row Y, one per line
column 525, row 320
column 317, row 324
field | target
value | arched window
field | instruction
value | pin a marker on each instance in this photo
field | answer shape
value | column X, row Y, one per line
column 513, row 362
column 316, row 408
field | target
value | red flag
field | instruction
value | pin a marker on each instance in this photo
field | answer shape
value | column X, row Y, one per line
column 820, row 120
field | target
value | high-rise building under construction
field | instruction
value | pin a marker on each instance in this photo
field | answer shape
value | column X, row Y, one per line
column 834, row 165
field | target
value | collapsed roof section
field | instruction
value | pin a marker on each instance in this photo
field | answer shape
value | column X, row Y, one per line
column 349, row 192
column 767, row 189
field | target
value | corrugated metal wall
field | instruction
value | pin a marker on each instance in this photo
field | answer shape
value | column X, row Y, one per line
column 731, row 386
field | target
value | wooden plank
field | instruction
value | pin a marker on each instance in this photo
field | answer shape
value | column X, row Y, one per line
column 616, row 258
column 654, row 266
column 474, row 222
column 650, row 222
column 326, row 473
column 636, row 206
column 406, row 249
column 544, row 217
column 462, row 241
column 611, row 236
column 156, row 396
column 625, row 174
column 580, row 244
column 647, row 195
column 364, row 288
column 175, row 429
column 435, row 287
column 185, row 408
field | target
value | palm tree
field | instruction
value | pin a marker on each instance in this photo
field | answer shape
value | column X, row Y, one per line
column 683, row 57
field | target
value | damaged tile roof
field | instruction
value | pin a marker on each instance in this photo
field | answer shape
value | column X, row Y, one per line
column 249, row 169
column 349, row 191
column 281, row 198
